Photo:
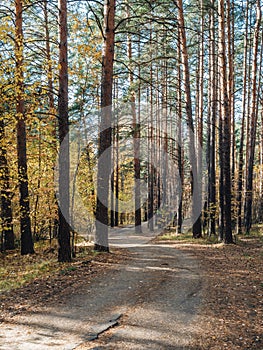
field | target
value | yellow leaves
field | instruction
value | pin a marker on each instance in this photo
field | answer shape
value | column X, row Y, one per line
column 20, row 116
column 76, row 24
column 88, row 50
column 6, row 29
column 97, row 55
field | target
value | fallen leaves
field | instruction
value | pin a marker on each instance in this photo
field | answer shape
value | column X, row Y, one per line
column 56, row 283
column 232, row 313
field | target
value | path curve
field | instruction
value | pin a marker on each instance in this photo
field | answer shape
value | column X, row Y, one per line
column 150, row 302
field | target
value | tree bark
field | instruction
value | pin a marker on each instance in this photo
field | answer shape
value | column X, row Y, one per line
column 27, row 245
column 212, row 127
column 179, row 142
column 64, row 249
column 196, row 194
column 136, row 141
column 226, row 206
column 105, row 134
column 242, row 133
column 117, row 177
column 253, row 125
column 53, row 227
column 150, row 211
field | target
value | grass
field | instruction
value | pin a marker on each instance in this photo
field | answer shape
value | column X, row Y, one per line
column 171, row 235
column 17, row 270
column 13, row 276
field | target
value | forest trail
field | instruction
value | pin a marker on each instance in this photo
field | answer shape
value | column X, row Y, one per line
column 149, row 302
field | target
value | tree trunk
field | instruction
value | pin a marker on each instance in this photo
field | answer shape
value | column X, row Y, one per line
column 261, row 170
column 163, row 175
column 116, row 218
column 226, row 127
column 8, row 238
column 105, row 134
column 64, row 249
column 200, row 107
column 136, row 142
column 179, row 142
column 242, row 133
column 54, row 221
column 253, row 126
column 212, row 127
column 150, row 212
column 112, row 183
column 196, row 178
column 231, row 82
column 27, row 245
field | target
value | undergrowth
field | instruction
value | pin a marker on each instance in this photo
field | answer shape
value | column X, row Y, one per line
column 172, row 235
column 17, row 270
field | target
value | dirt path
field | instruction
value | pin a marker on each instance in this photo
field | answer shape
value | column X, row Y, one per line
column 149, row 303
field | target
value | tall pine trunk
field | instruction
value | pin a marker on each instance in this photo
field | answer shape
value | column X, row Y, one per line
column 150, row 211
column 253, row 125
column 53, row 225
column 179, row 147
column 136, row 141
column 211, row 158
column 242, row 133
column 105, row 132
column 27, row 245
column 196, row 193
column 64, row 250
column 200, row 106
column 226, row 187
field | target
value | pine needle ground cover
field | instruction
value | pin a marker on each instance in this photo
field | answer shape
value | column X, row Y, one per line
column 232, row 312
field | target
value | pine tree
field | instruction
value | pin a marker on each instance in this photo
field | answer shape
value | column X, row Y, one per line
column 27, row 245
column 64, row 250
column 105, row 134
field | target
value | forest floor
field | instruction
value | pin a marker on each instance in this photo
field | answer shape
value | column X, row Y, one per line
column 144, row 297
column 228, row 279
column 232, row 312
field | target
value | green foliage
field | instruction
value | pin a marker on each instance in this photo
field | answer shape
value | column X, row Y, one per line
column 17, row 271
column 171, row 235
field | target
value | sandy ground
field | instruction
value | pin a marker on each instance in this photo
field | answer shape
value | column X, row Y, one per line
column 149, row 302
